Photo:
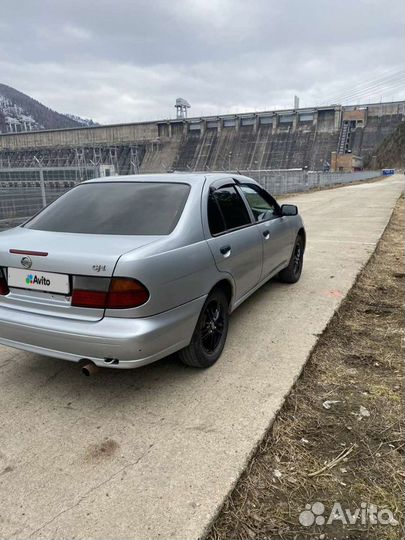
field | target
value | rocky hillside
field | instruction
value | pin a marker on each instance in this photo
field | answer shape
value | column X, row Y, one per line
column 391, row 152
column 19, row 112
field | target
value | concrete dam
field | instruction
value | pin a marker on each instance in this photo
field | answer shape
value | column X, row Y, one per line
column 343, row 137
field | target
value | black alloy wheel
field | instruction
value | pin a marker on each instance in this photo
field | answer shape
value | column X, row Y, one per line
column 210, row 332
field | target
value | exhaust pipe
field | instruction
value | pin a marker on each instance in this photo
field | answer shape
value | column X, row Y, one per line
column 89, row 369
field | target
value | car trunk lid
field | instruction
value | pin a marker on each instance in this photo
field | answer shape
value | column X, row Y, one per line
column 43, row 254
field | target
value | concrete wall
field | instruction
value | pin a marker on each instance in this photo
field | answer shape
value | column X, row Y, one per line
column 377, row 128
column 356, row 114
column 263, row 140
column 287, row 139
column 116, row 134
column 266, row 148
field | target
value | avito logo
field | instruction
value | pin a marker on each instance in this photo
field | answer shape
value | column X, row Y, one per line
column 32, row 279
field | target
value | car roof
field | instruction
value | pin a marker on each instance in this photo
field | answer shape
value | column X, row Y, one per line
column 175, row 177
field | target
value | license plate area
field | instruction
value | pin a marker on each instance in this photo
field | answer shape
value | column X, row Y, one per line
column 38, row 281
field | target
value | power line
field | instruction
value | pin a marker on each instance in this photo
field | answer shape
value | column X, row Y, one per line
column 386, row 83
column 374, row 91
column 374, row 87
column 386, row 76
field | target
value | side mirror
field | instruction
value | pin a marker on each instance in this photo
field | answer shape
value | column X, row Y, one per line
column 289, row 210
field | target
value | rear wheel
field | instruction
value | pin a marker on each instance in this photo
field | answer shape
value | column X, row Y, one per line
column 210, row 332
column 292, row 273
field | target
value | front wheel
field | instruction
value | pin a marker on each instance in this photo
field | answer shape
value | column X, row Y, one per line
column 210, row 332
column 292, row 273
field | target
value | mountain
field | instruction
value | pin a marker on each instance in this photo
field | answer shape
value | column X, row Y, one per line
column 19, row 112
column 84, row 122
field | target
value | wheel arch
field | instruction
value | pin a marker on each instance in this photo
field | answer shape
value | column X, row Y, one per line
column 227, row 287
column 303, row 235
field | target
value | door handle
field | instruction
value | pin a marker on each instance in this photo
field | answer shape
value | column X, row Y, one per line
column 266, row 234
column 225, row 250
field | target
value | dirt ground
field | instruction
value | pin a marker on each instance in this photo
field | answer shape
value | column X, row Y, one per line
column 338, row 441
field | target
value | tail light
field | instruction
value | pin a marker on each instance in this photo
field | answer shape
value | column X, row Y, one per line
column 3, row 283
column 103, row 293
column 126, row 293
column 89, row 299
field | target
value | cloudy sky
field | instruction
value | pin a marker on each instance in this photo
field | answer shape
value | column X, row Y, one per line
column 128, row 60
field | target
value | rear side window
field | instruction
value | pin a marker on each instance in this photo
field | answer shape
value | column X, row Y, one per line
column 215, row 219
column 226, row 210
column 127, row 208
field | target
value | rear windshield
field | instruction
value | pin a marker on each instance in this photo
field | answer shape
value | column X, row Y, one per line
column 133, row 208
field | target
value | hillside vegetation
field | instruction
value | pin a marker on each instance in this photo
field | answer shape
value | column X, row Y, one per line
column 391, row 152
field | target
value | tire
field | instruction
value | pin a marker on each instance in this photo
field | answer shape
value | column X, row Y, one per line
column 292, row 273
column 210, row 333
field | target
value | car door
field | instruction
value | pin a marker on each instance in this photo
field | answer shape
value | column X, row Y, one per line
column 275, row 231
column 233, row 238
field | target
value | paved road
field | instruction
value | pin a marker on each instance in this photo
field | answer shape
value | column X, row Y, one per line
column 151, row 453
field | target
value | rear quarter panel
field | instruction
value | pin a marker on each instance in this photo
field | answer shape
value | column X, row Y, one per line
column 173, row 277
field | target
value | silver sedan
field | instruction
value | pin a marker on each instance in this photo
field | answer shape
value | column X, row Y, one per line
column 123, row 271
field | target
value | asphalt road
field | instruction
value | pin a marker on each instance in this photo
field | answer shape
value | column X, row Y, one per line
column 151, row 453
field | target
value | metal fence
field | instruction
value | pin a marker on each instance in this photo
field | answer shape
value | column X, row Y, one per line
column 24, row 191
column 292, row 181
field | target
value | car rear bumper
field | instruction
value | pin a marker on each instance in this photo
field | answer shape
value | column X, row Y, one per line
column 110, row 342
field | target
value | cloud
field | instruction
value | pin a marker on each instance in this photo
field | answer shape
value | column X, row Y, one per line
column 128, row 60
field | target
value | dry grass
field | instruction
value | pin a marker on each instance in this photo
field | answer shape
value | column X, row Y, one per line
column 336, row 455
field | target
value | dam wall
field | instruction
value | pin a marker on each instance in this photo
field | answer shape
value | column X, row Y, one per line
column 282, row 139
